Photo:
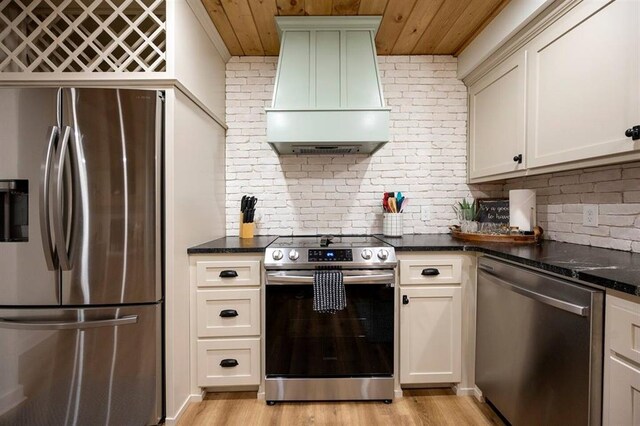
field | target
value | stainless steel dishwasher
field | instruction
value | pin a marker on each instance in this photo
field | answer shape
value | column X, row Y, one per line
column 538, row 346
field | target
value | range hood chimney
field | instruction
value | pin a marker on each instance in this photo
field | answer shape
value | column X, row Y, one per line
column 327, row 97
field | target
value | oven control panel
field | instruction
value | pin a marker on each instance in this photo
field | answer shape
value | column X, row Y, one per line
column 330, row 255
column 303, row 258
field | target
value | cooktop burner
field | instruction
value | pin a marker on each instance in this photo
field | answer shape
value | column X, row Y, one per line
column 342, row 251
column 328, row 241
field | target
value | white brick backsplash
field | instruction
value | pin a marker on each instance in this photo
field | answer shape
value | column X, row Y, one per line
column 425, row 158
column 561, row 198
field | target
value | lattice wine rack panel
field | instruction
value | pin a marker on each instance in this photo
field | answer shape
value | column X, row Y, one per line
column 82, row 35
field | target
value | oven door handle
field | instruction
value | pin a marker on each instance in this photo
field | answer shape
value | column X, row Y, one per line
column 285, row 279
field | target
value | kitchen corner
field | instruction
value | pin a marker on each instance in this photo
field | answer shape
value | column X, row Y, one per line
column 332, row 212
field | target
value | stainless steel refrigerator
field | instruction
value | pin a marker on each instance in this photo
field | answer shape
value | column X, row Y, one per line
column 81, row 243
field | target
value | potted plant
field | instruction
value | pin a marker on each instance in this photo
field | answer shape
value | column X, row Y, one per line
column 466, row 213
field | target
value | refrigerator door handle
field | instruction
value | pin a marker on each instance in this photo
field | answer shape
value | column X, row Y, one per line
column 45, row 220
column 63, row 325
column 58, row 215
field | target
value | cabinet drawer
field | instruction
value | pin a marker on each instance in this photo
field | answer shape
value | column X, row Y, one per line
column 431, row 271
column 213, row 354
column 224, row 313
column 623, row 328
column 228, row 273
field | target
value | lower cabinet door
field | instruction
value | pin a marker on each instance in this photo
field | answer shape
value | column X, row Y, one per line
column 430, row 335
column 624, row 394
column 228, row 362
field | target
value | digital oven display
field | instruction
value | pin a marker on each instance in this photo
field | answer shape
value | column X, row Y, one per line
column 331, row 255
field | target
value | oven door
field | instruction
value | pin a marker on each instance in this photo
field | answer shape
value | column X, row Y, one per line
column 354, row 342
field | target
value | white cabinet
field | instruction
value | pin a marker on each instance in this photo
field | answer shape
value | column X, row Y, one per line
column 497, row 119
column 223, row 313
column 624, row 394
column 430, row 319
column 430, row 334
column 562, row 93
column 227, row 320
column 228, row 362
column 227, row 273
column 621, row 396
column 584, row 84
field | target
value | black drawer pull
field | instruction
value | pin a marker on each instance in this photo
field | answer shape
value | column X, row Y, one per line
column 405, row 300
column 633, row 133
column 228, row 274
column 430, row 272
column 228, row 313
column 227, row 363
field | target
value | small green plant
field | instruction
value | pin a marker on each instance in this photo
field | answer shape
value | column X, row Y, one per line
column 465, row 210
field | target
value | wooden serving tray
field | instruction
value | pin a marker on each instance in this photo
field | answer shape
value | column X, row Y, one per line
column 476, row 236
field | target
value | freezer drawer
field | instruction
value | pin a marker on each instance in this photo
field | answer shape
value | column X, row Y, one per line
column 81, row 366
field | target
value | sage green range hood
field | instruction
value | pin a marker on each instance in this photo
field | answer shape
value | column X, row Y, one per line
column 327, row 97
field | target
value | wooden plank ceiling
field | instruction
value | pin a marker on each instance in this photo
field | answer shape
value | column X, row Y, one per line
column 418, row 27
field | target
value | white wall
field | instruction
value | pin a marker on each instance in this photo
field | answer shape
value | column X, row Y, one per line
column 195, row 184
column 195, row 196
column 425, row 159
column 561, row 198
column 198, row 64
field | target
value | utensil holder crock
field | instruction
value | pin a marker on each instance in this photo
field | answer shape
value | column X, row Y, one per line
column 392, row 224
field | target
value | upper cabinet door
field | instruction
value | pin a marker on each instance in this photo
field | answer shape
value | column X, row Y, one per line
column 584, row 84
column 497, row 119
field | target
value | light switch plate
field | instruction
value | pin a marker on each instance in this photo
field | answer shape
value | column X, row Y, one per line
column 424, row 213
column 590, row 215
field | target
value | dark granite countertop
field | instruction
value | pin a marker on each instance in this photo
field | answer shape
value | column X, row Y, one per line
column 618, row 270
column 615, row 269
column 256, row 244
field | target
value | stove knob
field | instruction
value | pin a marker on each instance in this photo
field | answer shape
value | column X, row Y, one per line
column 293, row 255
column 277, row 255
column 366, row 254
column 383, row 254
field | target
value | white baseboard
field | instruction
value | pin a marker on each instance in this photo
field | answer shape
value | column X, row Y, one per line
column 397, row 393
column 478, row 394
column 172, row 421
column 460, row 391
column 12, row 398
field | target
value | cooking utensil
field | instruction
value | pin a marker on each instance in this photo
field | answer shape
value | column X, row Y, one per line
column 405, row 202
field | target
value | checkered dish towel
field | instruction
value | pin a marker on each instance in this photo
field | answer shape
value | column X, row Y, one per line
column 329, row 295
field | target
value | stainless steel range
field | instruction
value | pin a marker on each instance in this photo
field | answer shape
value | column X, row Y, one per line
column 346, row 355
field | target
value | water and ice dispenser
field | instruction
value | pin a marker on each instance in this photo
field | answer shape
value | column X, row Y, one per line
column 14, row 210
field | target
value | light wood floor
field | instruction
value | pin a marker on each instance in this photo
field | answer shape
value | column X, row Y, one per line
column 417, row 407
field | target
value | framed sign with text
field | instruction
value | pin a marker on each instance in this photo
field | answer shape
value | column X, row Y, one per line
column 493, row 210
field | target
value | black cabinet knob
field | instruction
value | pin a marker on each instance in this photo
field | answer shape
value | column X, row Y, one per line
column 227, row 363
column 633, row 133
column 405, row 300
column 228, row 274
column 518, row 158
column 228, row 313
column 430, row 272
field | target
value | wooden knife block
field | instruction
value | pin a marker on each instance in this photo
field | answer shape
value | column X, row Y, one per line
column 246, row 229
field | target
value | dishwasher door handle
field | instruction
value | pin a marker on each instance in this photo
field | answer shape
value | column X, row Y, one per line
column 583, row 311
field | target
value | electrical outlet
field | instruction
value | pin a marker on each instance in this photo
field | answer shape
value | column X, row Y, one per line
column 424, row 213
column 590, row 215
